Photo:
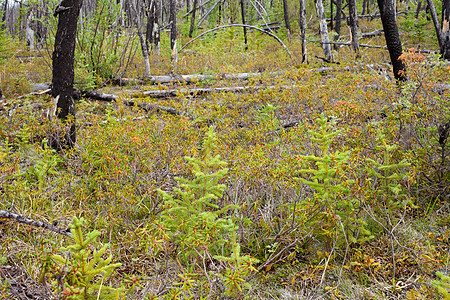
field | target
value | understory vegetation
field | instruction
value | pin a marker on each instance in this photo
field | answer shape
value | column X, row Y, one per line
column 330, row 183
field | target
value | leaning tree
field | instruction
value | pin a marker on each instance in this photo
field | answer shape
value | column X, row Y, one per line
column 63, row 72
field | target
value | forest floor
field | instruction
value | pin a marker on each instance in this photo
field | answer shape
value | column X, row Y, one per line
column 376, row 228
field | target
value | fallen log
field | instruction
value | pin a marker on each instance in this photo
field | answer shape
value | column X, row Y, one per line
column 24, row 220
column 192, row 78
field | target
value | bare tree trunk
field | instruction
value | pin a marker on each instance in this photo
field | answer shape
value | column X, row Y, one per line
column 194, row 10
column 29, row 32
column 63, row 70
column 156, row 27
column 323, row 30
column 243, row 22
column 445, row 48
column 150, row 23
column 353, row 25
column 286, row 18
column 144, row 48
column 303, row 30
column 392, row 37
column 419, row 6
column 173, row 30
column 436, row 24
column 337, row 27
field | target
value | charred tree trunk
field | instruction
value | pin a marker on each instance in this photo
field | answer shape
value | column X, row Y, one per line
column 243, row 22
column 150, row 23
column 63, row 71
column 323, row 30
column 156, row 27
column 173, row 30
column 436, row 23
column 353, row 25
column 337, row 27
column 194, row 10
column 419, row 7
column 392, row 37
column 303, row 30
column 286, row 18
column 445, row 48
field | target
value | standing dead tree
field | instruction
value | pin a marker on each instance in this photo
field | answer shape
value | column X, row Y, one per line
column 323, row 30
column 392, row 37
column 63, row 72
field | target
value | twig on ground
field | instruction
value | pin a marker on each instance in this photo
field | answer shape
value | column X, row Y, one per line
column 24, row 220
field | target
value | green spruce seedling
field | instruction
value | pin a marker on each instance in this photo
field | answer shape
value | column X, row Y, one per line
column 85, row 270
column 192, row 218
column 331, row 186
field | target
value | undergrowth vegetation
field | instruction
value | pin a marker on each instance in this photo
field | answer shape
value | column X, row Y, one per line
column 350, row 202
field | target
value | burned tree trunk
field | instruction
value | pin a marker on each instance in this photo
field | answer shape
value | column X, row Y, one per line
column 173, row 30
column 353, row 25
column 150, row 23
column 392, row 37
column 303, row 30
column 243, row 22
column 445, row 47
column 337, row 26
column 63, row 72
column 323, row 30
column 436, row 23
column 156, row 27
column 194, row 10
column 286, row 18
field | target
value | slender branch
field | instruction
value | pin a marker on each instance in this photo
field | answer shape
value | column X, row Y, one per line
column 240, row 25
column 24, row 220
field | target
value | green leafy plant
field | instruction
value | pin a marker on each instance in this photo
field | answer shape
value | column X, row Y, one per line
column 442, row 285
column 85, row 270
column 336, row 208
column 238, row 269
column 192, row 219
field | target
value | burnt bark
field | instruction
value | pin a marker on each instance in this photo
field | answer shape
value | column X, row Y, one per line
column 303, row 30
column 436, row 23
column 286, row 18
column 63, row 71
column 243, row 22
column 353, row 25
column 173, row 30
column 194, row 10
column 445, row 48
column 338, row 17
column 392, row 37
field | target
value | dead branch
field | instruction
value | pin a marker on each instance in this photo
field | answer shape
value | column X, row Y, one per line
column 24, row 220
column 240, row 25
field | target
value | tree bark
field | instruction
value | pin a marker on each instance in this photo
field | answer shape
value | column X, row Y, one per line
column 194, row 10
column 436, row 23
column 323, row 30
column 353, row 25
column 150, row 23
column 156, row 28
column 173, row 30
column 144, row 48
column 63, row 70
column 445, row 49
column 243, row 22
column 338, row 17
column 303, row 30
column 392, row 38
column 286, row 18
